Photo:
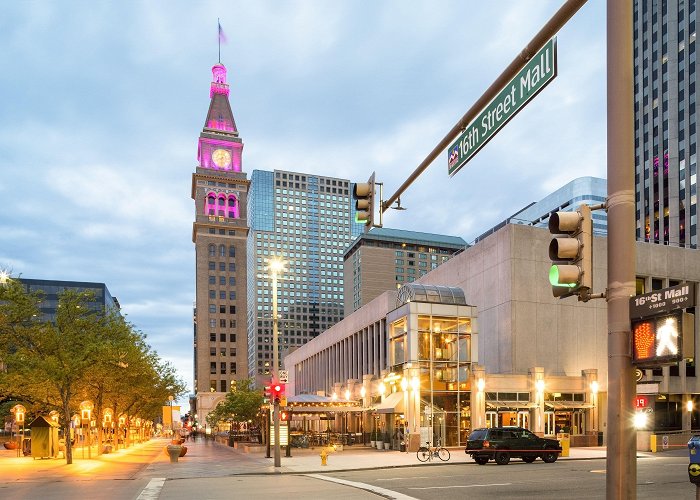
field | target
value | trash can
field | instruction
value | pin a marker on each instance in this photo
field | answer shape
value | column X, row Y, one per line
column 403, row 445
column 565, row 442
column 694, row 457
column 600, row 439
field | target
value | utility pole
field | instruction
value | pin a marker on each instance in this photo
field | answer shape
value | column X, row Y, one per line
column 621, row 462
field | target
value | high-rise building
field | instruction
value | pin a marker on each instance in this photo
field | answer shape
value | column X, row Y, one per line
column 101, row 299
column 383, row 259
column 219, row 232
column 307, row 221
column 589, row 190
column 665, row 109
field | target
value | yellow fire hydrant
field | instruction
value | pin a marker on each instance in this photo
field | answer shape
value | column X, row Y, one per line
column 324, row 457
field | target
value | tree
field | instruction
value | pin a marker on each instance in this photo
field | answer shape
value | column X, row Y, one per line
column 241, row 404
column 83, row 354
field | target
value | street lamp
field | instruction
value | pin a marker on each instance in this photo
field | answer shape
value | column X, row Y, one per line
column 172, row 417
column 19, row 412
column 275, row 266
column 86, row 408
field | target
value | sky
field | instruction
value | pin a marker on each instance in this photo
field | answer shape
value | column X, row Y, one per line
column 103, row 102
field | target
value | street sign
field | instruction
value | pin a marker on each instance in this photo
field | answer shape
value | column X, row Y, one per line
column 535, row 75
column 662, row 301
column 284, row 376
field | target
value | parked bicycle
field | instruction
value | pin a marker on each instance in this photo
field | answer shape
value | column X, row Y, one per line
column 428, row 452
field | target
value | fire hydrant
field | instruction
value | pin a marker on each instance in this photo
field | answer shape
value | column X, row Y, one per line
column 324, row 457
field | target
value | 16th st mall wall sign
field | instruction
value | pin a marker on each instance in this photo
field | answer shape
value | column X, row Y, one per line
column 535, row 75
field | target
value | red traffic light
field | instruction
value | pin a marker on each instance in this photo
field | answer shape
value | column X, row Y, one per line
column 277, row 388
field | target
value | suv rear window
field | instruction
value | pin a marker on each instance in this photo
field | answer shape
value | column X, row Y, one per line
column 478, row 435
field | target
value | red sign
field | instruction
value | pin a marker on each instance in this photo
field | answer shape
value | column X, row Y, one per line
column 641, row 402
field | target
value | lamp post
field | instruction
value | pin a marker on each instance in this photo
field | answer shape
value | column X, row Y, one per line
column 172, row 418
column 86, row 408
column 19, row 412
column 275, row 266
column 480, row 385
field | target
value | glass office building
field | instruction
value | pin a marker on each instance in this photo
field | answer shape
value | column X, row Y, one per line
column 51, row 290
column 665, row 110
column 308, row 221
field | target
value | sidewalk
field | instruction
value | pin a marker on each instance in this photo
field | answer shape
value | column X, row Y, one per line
column 121, row 464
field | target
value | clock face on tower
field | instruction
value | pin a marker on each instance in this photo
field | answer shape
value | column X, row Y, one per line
column 221, row 158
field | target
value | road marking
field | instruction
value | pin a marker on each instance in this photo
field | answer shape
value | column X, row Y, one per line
column 402, row 478
column 459, row 486
column 364, row 486
column 599, row 471
column 152, row 489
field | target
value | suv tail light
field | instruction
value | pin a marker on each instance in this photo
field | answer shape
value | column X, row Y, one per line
column 486, row 444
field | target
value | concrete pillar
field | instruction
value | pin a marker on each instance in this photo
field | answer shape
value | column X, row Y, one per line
column 478, row 396
column 537, row 384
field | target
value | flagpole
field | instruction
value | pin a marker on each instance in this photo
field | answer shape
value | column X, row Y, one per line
column 218, row 21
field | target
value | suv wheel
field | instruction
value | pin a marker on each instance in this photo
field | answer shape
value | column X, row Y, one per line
column 503, row 457
column 481, row 460
column 549, row 457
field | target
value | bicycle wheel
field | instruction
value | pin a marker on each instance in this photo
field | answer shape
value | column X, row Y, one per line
column 423, row 454
column 443, row 454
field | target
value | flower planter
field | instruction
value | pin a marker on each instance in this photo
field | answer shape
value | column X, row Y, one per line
column 10, row 445
column 372, row 444
column 387, row 446
column 380, row 445
column 173, row 451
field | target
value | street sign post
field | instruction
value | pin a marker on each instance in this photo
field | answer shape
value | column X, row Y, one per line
column 532, row 78
column 284, row 376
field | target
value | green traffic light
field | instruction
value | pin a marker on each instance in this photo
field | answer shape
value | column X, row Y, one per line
column 554, row 278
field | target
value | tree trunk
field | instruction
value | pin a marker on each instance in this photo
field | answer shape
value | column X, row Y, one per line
column 66, row 432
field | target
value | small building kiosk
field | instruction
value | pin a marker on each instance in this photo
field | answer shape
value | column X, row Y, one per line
column 44, row 438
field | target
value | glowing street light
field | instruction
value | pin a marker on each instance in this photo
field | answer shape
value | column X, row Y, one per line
column 275, row 266
column 86, row 408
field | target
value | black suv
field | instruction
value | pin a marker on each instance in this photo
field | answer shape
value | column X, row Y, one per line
column 502, row 443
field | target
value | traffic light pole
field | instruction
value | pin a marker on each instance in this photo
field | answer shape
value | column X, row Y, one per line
column 621, row 461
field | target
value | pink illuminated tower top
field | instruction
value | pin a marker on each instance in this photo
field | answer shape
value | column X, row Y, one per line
column 220, row 147
column 218, row 83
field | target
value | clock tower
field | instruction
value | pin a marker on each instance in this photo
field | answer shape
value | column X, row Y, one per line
column 219, row 233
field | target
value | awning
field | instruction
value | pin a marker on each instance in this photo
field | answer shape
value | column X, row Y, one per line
column 567, row 405
column 393, row 403
column 525, row 405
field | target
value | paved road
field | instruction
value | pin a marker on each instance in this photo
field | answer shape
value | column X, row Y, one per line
column 661, row 476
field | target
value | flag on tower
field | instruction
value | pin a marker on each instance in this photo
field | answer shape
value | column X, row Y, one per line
column 222, row 35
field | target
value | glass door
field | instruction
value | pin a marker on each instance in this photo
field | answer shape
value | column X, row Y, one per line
column 549, row 423
column 523, row 419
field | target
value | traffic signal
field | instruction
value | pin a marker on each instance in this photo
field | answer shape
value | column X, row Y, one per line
column 571, row 272
column 277, row 390
column 284, row 416
column 363, row 192
column 267, row 395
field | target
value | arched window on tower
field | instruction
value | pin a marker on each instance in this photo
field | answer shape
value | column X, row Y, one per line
column 222, row 205
column 231, row 251
column 210, row 205
column 212, row 250
column 222, row 251
column 232, row 207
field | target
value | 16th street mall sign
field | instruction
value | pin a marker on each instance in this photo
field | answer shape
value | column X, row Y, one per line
column 537, row 73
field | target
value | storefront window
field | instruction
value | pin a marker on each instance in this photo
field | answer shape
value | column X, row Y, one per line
column 398, row 350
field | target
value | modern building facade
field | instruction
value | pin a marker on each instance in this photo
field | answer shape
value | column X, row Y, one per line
column 589, row 190
column 540, row 362
column 51, row 290
column 665, row 107
column 307, row 221
column 219, row 232
column 384, row 259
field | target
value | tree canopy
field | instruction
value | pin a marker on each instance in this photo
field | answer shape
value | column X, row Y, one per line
column 84, row 354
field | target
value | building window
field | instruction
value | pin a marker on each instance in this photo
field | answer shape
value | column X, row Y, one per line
column 212, row 385
column 223, row 368
column 212, row 250
column 222, row 337
column 232, row 337
column 212, row 368
column 223, row 386
column 222, row 251
column 231, row 251
column 233, row 368
column 212, row 351
column 212, row 337
column 212, row 323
